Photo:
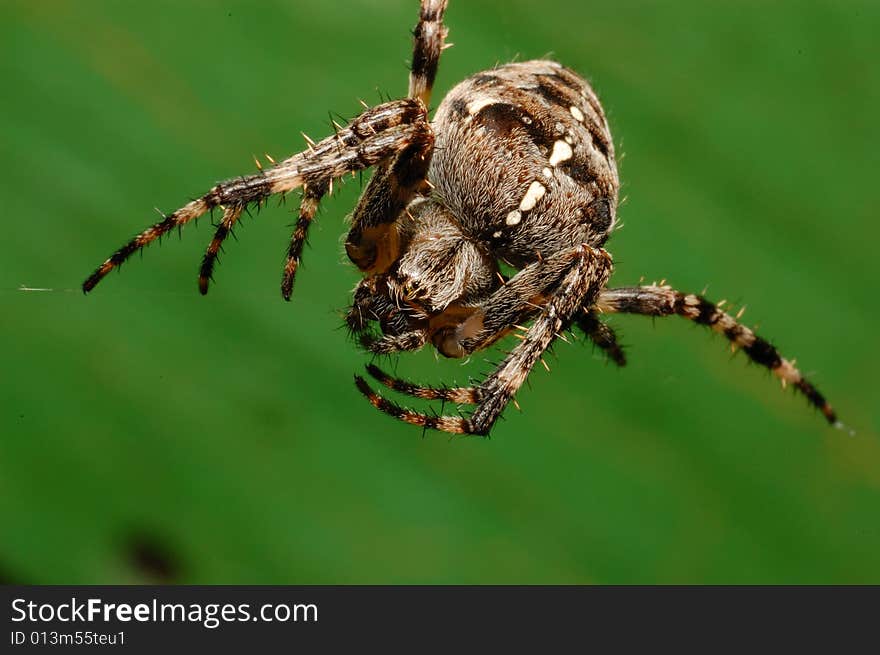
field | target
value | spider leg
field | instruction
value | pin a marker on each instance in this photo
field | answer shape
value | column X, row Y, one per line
column 428, row 42
column 312, row 194
column 457, row 395
column 514, row 303
column 231, row 214
column 586, row 275
column 367, row 306
column 363, row 307
column 378, row 134
column 601, row 335
column 392, row 343
column 664, row 301
column 373, row 243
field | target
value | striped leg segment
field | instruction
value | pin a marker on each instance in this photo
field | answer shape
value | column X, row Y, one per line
column 665, row 301
column 181, row 217
column 428, row 42
column 457, row 395
column 580, row 286
column 452, row 424
column 378, row 134
column 312, row 194
column 231, row 214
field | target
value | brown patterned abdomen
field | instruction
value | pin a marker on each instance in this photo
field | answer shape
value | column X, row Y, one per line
column 524, row 159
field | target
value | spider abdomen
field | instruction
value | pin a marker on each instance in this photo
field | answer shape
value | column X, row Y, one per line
column 524, row 159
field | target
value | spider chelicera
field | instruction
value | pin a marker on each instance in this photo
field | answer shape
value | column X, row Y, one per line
column 518, row 168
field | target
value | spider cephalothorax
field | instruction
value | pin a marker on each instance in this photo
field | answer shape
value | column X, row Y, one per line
column 517, row 168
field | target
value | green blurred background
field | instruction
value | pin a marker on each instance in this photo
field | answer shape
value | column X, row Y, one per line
column 150, row 434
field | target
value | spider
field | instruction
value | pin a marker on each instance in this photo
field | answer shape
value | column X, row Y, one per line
column 518, row 168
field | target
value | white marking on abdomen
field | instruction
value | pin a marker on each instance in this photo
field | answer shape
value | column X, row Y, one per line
column 561, row 152
column 534, row 193
column 478, row 103
column 577, row 113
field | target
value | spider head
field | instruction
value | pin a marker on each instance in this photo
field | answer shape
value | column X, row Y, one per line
column 440, row 272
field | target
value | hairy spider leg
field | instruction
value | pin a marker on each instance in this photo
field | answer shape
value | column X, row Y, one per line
column 367, row 306
column 429, row 37
column 394, row 343
column 362, row 310
column 358, row 324
column 457, row 395
column 373, row 243
column 469, row 329
column 375, row 135
column 652, row 300
column 579, row 286
column 308, row 207
column 231, row 214
column 519, row 299
column 602, row 336
column 598, row 332
column 460, row 329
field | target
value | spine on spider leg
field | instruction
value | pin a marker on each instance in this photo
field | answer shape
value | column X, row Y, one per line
column 663, row 301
